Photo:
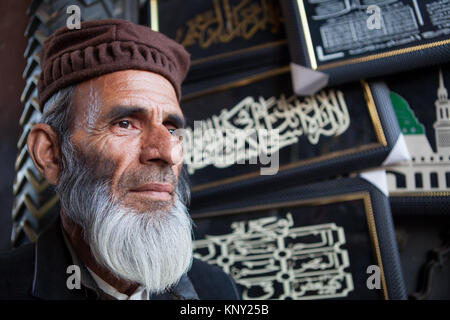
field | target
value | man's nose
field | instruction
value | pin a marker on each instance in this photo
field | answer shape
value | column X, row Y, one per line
column 160, row 145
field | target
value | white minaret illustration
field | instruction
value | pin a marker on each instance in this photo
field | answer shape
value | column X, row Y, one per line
column 428, row 171
column 442, row 124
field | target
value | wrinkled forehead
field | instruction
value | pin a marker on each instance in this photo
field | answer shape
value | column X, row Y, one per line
column 129, row 88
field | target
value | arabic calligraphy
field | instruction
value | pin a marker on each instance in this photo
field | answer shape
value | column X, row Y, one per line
column 263, row 126
column 226, row 22
column 273, row 260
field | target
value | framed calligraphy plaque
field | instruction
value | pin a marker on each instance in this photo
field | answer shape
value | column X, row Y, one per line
column 284, row 140
column 321, row 241
column 355, row 39
column 224, row 37
column 422, row 107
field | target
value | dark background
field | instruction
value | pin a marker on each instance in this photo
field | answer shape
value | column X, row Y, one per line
column 12, row 63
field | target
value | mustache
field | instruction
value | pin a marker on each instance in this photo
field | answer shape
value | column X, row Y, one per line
column 145, row 175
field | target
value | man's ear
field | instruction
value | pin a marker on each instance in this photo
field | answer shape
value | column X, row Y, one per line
column 43, row 147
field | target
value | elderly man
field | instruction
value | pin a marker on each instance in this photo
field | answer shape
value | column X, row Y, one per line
column 110, row 93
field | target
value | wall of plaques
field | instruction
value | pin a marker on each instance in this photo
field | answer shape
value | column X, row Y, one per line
column 372, row 134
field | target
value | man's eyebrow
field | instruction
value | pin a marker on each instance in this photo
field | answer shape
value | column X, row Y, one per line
column 177, row 120
column 120, row 112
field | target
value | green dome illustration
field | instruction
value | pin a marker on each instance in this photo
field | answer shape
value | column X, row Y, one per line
column 407, row 120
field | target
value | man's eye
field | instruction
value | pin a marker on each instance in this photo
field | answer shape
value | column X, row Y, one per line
column 124, row 124
column 171, row 131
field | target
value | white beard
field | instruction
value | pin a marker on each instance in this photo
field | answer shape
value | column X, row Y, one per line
column 150, row 248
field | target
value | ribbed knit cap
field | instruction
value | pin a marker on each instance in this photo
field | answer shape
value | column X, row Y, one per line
column 104, row 46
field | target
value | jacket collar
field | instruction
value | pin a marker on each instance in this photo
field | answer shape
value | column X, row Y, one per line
column 51, row 261
column 52, row 258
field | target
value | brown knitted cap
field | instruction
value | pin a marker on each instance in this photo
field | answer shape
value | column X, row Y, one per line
column 104, row 46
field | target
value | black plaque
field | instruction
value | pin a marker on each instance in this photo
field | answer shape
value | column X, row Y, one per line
column 339, row 37
column 224, row 37
column 320, row 241
column 339, row 130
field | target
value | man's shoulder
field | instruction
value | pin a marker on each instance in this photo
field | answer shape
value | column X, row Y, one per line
column 17, row 260
column 211, row 283
column 16, row 270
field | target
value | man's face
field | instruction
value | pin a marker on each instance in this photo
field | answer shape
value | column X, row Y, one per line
column 123, row 124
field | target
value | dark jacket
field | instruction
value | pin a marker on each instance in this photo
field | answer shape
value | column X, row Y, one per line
column 38, row 271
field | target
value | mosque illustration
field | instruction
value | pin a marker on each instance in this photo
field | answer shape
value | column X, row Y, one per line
column 427, row 171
